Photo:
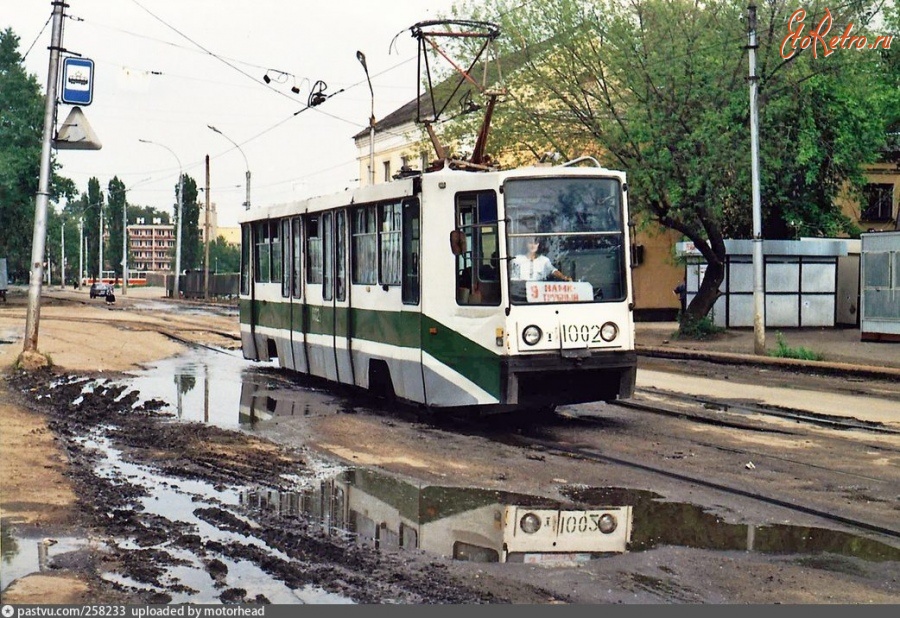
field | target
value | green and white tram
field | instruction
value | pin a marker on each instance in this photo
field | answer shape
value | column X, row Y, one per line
column 423, row 289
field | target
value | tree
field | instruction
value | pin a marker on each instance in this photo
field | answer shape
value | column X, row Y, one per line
column 224, row 257
column 148, row 214
column 191, row 247
column 118, row 203
column 21, row 132
column 659, row 88
column 94, row 215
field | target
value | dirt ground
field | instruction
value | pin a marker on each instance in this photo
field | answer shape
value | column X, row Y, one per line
column 81, row 335
column 49, row 488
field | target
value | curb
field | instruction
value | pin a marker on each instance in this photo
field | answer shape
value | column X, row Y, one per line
column 729, row 358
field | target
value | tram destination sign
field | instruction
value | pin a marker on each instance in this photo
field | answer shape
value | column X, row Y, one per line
column 77, row 81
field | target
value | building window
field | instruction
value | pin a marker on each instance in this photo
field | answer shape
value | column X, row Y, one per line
column 387, row 171
column 879, row 202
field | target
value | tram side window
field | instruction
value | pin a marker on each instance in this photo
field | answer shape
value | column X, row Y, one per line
column 262, row 254
column 313, row 251
column 364, row 246
column 296, row 253
column 275, row 240
column 390, row 218
column 286, row 258
column 478, row 264
column 245, row 259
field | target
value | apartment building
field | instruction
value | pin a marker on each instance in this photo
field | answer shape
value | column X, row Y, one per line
column 151, row 246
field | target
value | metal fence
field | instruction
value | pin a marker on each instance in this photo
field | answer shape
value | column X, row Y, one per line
column 221, row 285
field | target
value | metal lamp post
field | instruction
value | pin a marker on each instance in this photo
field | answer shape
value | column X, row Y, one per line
column 176, row 290
column 246, row 203
column 246, row 165
column 125, row 236
column 362, row 60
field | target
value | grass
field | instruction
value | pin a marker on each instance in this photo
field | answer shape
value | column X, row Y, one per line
column 801, row 353
column 696, row 328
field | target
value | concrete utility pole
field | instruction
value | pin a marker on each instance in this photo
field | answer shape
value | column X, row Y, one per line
column 100, row 244
column 206, row 238
column 39, row 237
column 62, row 253
column 125, row 247
column 759, row 298
column 80, row 250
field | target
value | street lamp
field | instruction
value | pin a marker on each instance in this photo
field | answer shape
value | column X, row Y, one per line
column 362, row 60
column 176, row 290
column 246, row 165
column 125, row 236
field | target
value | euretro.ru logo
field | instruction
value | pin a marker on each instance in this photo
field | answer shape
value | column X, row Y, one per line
column 818, row 38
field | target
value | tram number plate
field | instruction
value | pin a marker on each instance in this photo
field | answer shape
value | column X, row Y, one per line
column 573, row 523
column 567, row 530
column 580, row 333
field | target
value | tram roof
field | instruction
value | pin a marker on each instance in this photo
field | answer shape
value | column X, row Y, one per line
column 405, row 187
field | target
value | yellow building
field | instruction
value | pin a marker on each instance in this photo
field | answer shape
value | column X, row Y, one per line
column 879, row 208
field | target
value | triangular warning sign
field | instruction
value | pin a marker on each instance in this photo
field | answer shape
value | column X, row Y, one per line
column 76, row 133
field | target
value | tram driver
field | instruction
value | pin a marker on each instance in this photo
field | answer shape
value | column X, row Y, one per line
column 534, row 265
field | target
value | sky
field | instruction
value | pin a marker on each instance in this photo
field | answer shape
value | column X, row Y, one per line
column 164, row 70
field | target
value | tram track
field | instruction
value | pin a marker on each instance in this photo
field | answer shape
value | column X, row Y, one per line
column 823, row 420
column 758, row 456
column 594, row 455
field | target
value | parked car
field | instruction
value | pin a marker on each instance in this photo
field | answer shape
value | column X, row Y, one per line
column 101, row 289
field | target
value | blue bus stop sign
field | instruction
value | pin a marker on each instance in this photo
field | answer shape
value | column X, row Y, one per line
column 78, row 81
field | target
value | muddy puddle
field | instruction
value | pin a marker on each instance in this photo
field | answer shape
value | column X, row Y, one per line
column 479, row 525
column 304, row 536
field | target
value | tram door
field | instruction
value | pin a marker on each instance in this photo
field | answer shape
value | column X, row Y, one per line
column 329, row 319
column 413, row 378
column 299, row 308
column 341, row 322
column 318, row 319
column 286, row 352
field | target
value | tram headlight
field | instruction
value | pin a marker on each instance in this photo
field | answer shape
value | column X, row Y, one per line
column 531, row 335
column 530, row 523
column 608, row 523
column 609, row 331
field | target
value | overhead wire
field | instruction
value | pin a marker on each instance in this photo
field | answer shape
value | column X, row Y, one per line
column 37, row 37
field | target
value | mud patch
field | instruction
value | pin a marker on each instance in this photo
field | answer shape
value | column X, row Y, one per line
column 165, row 497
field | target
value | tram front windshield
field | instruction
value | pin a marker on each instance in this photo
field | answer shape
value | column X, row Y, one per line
column 566, row 240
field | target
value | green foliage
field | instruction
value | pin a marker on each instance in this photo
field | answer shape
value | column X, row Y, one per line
column 116, row 193
column 690, row 327
column 147, row 213
column 659, row 88
column 21, row 124
column 191, row 247
column 21, row 132
column 784, row 351
column 224, row 257
column 93, row 210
